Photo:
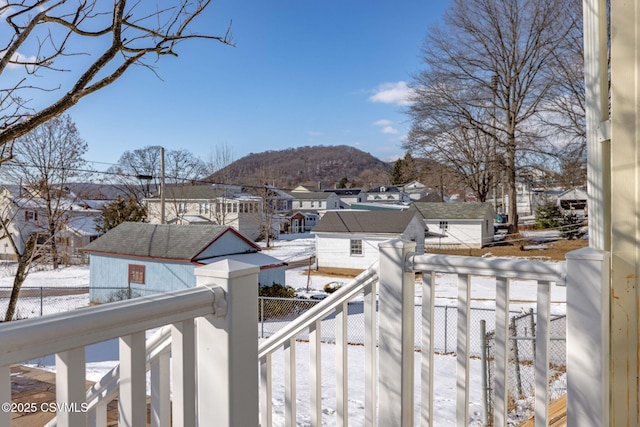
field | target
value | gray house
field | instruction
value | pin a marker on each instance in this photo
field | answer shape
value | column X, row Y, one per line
column 137, row 259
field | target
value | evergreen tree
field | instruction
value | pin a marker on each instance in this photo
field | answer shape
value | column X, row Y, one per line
column 547, row 215
column 119, row 211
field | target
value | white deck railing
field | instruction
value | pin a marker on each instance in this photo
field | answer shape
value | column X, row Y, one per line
column 389, row 356
column 214, row 353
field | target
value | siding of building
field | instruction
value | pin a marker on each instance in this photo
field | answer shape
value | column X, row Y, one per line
column 110, row 281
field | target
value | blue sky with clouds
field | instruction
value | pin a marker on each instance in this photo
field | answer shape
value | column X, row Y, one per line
column 303, row 72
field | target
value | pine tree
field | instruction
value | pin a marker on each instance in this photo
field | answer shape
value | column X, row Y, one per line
column 119, row 211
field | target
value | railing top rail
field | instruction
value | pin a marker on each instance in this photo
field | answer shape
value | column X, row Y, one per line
column 318, row 312
column 27, row 339
column 499, row 267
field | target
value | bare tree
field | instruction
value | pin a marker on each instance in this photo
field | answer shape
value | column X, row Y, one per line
column 484, row 70
column 60, row 51
column 43, row 163
column 216, row 162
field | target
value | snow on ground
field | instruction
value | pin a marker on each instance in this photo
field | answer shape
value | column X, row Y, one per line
column 102, row 357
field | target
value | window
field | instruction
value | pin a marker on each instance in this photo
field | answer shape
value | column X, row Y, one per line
column 30, row 215
column 182, row 207
column 136, row 274
column 356, row 247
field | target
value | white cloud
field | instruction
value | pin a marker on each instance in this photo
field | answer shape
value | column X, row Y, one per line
column 389, row 130
column 383, row 122
column 392, row 93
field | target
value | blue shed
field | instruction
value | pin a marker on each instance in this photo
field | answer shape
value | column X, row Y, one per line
column 138, row 259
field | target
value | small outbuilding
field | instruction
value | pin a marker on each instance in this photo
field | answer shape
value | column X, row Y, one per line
column 457, row 225
column 348, row 240
column 139, row 259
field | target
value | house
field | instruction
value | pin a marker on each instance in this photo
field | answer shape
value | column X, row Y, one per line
column 136, row 259
column 314, row 200
column 208, row 203
column 415, row 189
column 387, row 194
column 348, row 196
column 348, row 240
column 573, row 201
column 27, row 214
column 466, row 225
column 307, row 207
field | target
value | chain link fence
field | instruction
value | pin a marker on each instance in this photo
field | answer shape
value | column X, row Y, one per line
column 41, row 301
column 521, row 363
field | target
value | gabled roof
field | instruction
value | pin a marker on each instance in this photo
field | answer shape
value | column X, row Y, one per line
column 164, row 241
column 310, row 195
column 345, row 191
column 195, row 192
column 451, row 211
column 364, row 222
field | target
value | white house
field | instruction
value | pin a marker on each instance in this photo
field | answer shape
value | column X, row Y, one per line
column 207, row 203
column 387, row 194
column 314, row 200
column 466, row 225
column 348, row 240
column 348, row 196
column 27, row 215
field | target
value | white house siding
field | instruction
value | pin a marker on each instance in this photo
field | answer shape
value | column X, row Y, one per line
column 228, row 243
column 333, row 251
column 461, row 233
column 110, row 281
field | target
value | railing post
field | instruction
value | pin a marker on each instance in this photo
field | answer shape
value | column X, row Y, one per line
column 396, row 329
column 587, row 338
column 227, row 346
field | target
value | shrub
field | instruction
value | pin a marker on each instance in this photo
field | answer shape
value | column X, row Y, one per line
column 276, row 290
column 331, row 287
column 571, row 227
column 548, row 216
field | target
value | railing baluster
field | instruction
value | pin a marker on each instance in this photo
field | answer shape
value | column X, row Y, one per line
column 542, row 354
column 132, row 405
column 290, row 382
column 315, row 373
column 160, row 391
column 342, row 395
column 501, row 352
column 427, row 346
column 370, row 355
column 184, row 373
column 70, row 386
column 5, row 394
column 99, row 417
column 462, row 371
column 265, row 391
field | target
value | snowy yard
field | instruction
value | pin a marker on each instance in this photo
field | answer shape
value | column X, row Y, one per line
column 101, row 357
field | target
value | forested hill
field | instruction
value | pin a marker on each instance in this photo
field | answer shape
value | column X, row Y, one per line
column 319, row 165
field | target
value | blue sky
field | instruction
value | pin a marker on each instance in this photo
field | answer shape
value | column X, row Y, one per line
column 303, row 72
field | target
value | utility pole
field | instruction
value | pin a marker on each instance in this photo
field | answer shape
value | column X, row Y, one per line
column 162, row 212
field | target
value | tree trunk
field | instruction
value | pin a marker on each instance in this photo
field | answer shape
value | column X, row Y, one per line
column 24, row 262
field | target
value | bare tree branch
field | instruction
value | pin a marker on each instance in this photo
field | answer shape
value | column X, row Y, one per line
column 45, row 36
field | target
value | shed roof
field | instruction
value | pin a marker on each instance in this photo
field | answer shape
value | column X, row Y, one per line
column 365, row 222
column 166, row 241
column 451, row 211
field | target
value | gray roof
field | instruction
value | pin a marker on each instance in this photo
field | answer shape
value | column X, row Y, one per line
column 167, row 241
column 310, row 195
column 451, row 211
column 365, row 222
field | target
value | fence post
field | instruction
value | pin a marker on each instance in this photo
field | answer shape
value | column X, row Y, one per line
column 396, row 329
column 588, row 338
column 483, row 374
column 227, row 348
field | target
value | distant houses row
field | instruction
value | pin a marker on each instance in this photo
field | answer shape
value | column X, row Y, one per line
column 301, row 210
